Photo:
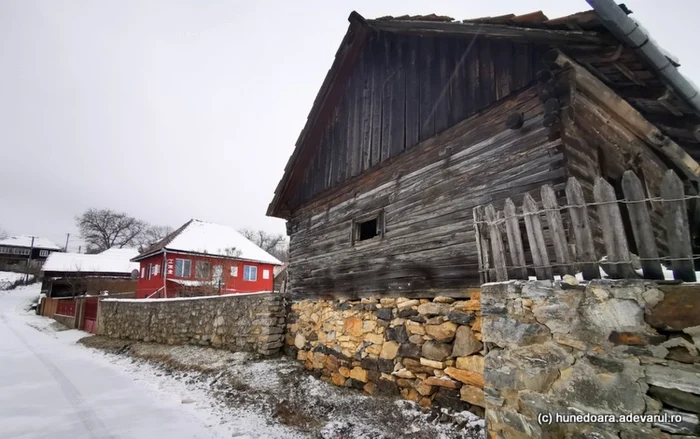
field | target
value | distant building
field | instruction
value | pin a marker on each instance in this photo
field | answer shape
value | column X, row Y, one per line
column 202, row 258
column 20, row 248
column 74, row 274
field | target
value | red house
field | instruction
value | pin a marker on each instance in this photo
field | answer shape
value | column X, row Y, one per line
column 202, row 258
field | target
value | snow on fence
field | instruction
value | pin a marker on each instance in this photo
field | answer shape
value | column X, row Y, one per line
column 500, row 239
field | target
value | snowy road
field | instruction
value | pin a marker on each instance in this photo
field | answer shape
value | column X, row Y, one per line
column 53, row 388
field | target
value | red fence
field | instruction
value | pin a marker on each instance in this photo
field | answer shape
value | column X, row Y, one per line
column 66, row 307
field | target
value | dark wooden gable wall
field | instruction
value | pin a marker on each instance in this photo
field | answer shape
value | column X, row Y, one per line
column 405, row 89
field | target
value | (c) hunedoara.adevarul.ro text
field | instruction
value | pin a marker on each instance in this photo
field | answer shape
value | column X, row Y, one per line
column 596, row 418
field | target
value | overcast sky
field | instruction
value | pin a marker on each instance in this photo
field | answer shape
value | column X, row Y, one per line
column 174, row 109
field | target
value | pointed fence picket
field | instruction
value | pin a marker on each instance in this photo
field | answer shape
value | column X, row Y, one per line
column 577, row 250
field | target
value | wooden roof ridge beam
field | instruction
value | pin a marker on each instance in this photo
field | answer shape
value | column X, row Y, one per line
column 630, row 117
column 554, row 36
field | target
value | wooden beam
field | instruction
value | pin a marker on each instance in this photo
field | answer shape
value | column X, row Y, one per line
column 552, row 36
column 632, row 119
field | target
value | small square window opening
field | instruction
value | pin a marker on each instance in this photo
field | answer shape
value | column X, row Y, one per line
column 368, row 227
column 367, row 230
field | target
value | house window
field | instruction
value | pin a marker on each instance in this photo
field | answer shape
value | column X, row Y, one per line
column 218, row 272
column 368, row 227
column 143, row 272
column 183, row 267
column 20, row 251
column 149, row 271
column 156, row 270
column 5, row 250
column 250, row 273
column 266, row 274
column 234, row 271
column 201, row 270
column 43, row 253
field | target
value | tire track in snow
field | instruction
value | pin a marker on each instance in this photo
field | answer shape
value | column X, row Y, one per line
column 95, row 428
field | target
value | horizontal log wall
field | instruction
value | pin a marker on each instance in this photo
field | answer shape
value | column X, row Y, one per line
column 598, row 143
column 427, row 196
column 404, row 90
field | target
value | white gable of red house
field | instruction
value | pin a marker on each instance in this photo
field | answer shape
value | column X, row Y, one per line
column 204, row 255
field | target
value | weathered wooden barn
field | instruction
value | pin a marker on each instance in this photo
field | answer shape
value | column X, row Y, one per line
column 420, row 119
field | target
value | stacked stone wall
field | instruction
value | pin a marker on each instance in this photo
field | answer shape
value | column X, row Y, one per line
column 427, row 350
column 253, row 323
column 607, row 347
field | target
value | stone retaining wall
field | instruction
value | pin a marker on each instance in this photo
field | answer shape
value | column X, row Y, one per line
column 253, row 323
column 607, row 347
column 428, row 350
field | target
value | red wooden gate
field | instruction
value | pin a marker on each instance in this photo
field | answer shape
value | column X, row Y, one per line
column 90, row 315
column 65, row 307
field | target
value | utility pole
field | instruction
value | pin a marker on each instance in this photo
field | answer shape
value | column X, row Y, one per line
column 65, row 249
column 31, row 250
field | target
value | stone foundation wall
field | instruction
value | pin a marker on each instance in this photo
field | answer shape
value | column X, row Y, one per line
column 429, row 351
column 253, row 323
column 607, row 347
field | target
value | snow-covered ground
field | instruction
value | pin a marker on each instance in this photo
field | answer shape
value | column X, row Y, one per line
column 7, row 278
column 53, row 387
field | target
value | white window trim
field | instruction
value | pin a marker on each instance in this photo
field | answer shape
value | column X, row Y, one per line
column 184, row 261
column 266, row 274
column 234, row 271
column 250, row 270
column 143, row 272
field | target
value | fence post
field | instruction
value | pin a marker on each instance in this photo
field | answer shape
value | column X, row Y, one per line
column 585, row 251
column 515, row 240
column 482, row 246
column 535, row 236
column 641, row 226
column 499, row 257
column 677, row 230
column 556, row 227
column 610, row 220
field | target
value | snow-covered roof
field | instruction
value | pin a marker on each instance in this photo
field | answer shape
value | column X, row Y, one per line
column 26, row 241
column 127, row 252
column 214, row 239
column 109, row 261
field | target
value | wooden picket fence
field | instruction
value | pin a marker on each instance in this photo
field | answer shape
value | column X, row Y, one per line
column 498, row 233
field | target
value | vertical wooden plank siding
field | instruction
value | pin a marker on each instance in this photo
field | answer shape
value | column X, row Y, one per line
column 406, row 89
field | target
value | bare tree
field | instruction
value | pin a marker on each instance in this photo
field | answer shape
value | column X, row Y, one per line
column 104, row 228
column 3, row 233
column 275, row 244
column 75, row 280
column 152, row 235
